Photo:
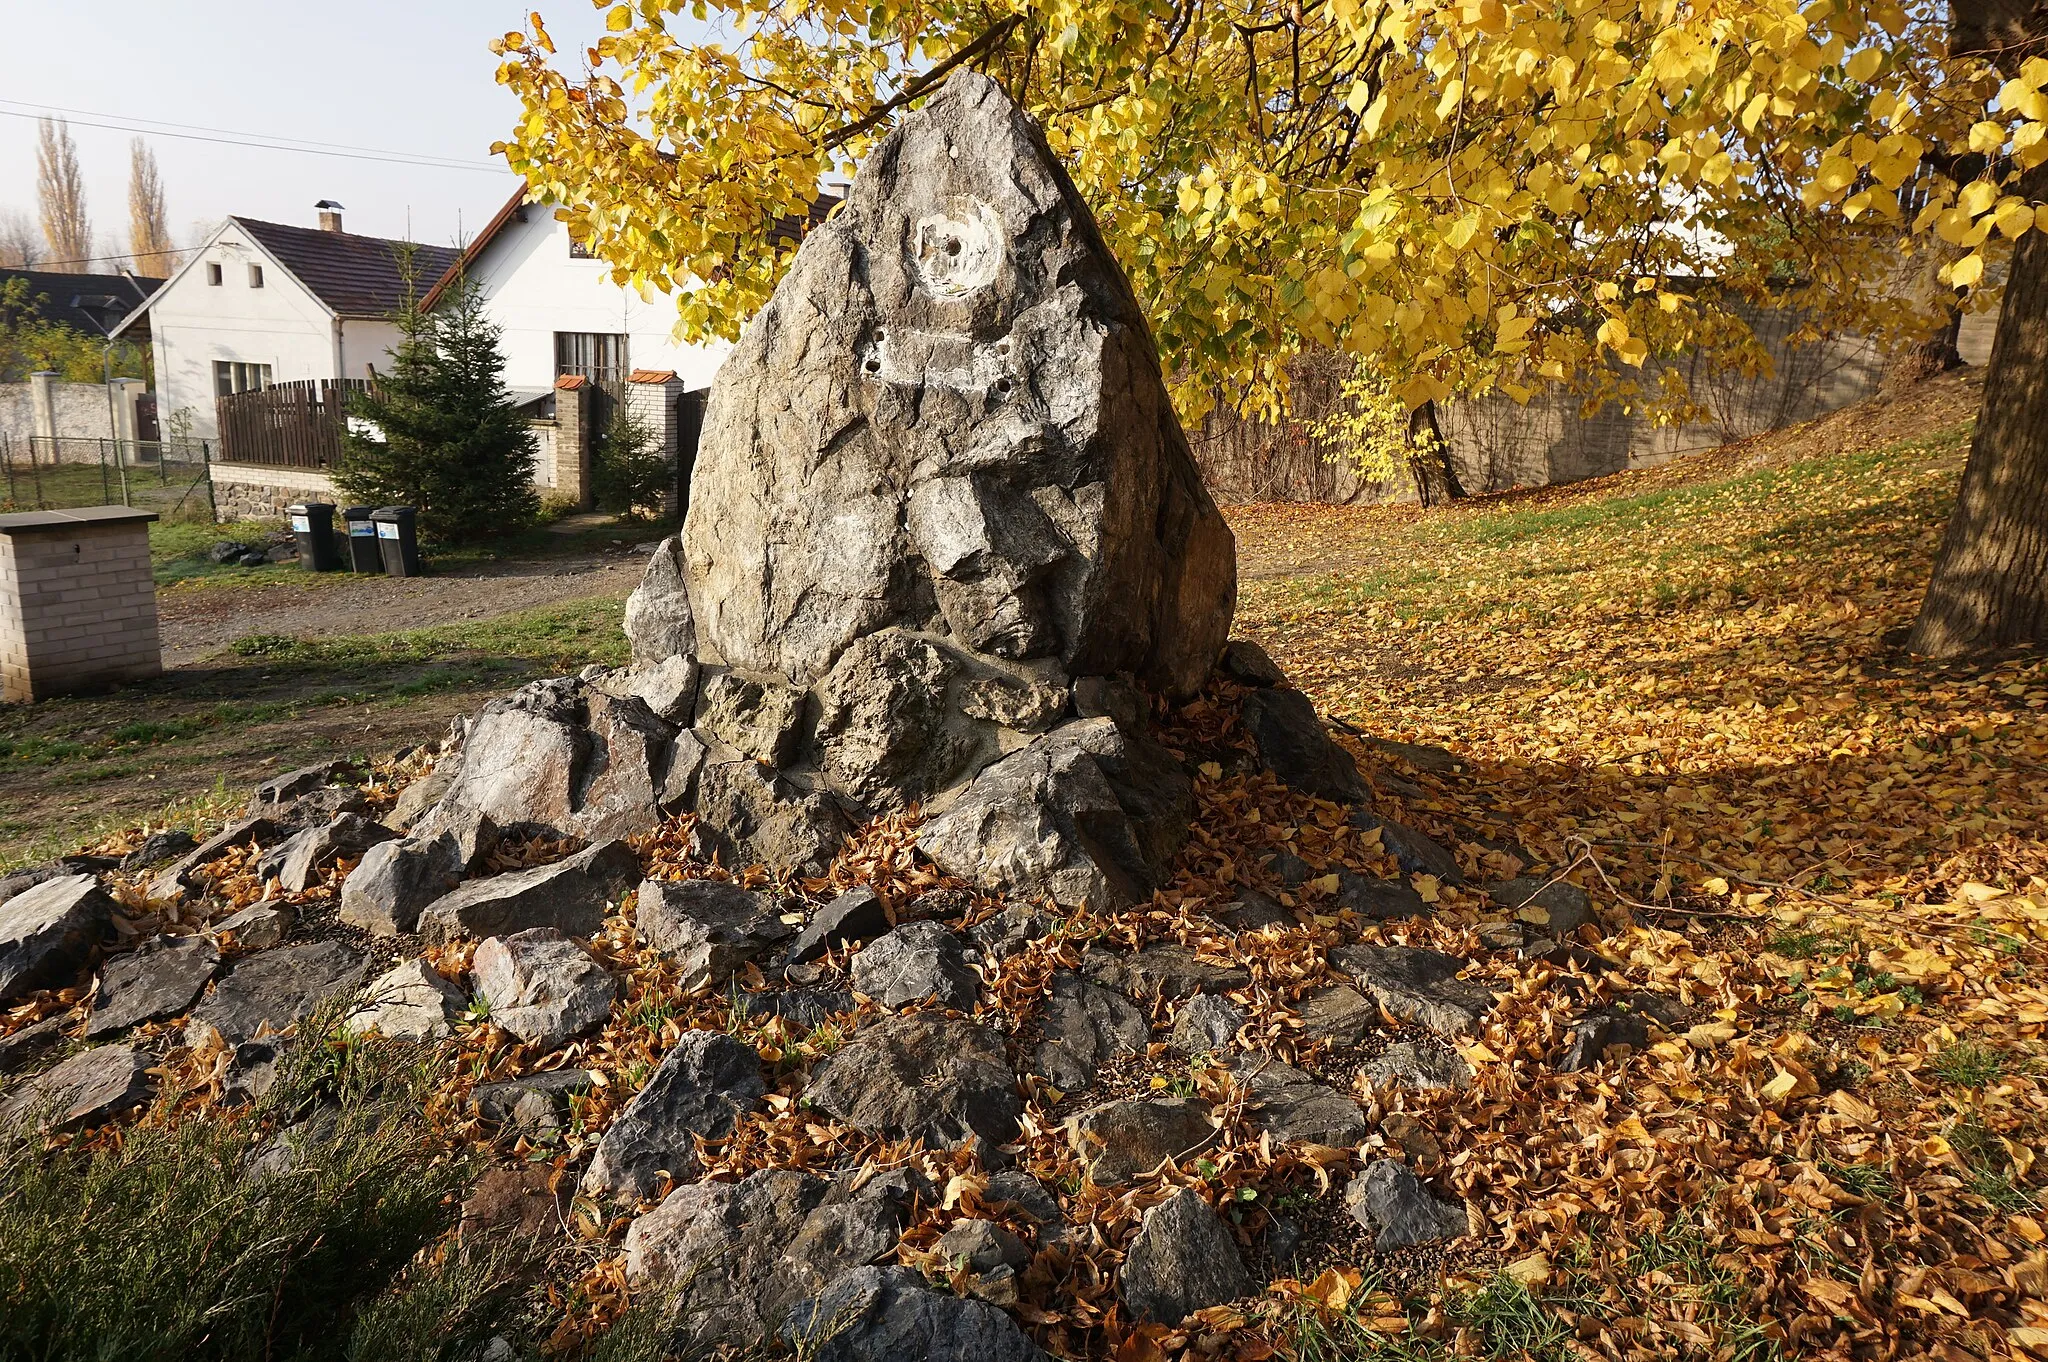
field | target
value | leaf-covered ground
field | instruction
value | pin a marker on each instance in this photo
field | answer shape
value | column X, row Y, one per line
column 1814, row 858
column 1684, row 684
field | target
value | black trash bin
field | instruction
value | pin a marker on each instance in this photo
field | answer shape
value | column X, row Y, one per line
column 361, row 533
column 313, row 526
column 398, row 539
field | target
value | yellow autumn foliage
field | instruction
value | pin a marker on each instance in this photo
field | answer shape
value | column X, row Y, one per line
column 1476, row 195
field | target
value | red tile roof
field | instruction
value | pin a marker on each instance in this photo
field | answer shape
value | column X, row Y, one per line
column 571, row 381
column 651, row 376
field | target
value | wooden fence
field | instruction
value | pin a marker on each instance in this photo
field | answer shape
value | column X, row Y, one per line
column 287, row 425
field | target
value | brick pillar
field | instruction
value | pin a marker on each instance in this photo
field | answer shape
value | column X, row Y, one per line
column 77, row 601
column 651, row 396
column 575, row 405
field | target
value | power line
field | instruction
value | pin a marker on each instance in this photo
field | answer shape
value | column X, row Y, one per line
column 392, row 158
column 44, row 265
column 235, row 132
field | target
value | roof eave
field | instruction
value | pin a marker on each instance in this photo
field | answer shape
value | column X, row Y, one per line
column 474, row 249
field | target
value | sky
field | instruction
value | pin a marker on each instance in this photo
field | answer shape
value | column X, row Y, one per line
column 380, row 75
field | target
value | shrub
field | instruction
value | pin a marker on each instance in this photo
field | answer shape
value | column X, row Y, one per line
column 629, row 470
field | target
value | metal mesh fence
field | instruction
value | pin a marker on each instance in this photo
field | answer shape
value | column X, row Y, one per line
column 170, row 477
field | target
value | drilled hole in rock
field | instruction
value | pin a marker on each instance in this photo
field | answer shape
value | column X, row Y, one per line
column 874, row 366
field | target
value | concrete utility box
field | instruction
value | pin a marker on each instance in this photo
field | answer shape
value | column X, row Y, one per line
column 77, row 601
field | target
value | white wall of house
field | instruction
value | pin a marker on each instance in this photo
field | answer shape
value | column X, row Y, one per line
column 534, row 288
column 366, row 344
column 193, row 323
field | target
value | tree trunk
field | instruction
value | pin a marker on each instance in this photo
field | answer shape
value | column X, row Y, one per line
column 1990, row 585
column 1429, row 458
column 1931, row 358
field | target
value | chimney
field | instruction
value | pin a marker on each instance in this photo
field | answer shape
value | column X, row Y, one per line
column 330, row 215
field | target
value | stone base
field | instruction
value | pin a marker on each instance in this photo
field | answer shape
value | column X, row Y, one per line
column 251, row 492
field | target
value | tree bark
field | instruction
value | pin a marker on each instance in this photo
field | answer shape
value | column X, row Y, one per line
column 1931, row 358
column 1429, row 458
column 1990, row 584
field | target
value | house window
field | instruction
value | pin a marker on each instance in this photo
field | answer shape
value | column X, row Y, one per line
column 579, row 251
column 594, row 355
column 213, row 273
column 231, row 377
column 255, row 276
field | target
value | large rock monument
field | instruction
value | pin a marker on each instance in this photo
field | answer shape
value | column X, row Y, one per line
column 945, row 542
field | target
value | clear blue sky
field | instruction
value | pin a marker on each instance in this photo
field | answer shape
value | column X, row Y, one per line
column 381, row 74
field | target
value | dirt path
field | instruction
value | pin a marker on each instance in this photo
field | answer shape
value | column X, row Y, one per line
column 200, row 620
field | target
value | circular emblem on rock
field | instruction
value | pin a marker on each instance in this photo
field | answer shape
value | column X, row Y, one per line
column 959, row 250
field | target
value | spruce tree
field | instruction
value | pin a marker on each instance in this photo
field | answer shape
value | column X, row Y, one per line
column 444, row 433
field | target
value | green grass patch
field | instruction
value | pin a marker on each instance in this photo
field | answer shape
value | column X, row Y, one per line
column 1671, row 548
column 1966, row 1064
column 315, row 1225
column 568, row 633
column 1870, row 1181
column 168, row 1245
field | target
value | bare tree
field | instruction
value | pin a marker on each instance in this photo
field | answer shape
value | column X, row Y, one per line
column 60, row 193
column 149, row 228
column 21, row 245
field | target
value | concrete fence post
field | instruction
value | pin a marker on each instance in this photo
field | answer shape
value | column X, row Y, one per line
column 42, row 398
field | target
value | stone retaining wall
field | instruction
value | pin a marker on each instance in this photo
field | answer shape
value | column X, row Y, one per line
column 249, row 492
column 1497, row 443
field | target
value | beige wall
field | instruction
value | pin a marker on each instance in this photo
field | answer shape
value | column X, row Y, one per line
column 1498, row 444
column 77, row 602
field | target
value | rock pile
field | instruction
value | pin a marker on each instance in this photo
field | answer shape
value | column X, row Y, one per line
column 945, row 538
column 946, row 551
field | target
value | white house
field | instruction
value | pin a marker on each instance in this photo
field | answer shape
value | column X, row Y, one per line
column 560, row 312
column 264, row 303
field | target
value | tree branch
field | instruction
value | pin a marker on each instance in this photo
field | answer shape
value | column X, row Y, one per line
column 874, row 116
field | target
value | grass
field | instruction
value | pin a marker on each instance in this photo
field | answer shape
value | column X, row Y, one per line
column 1679, row 544
column 178, row 551
column 1867, row 1180
column 1682, row 545
column 166, row 1245
column 571, row 632
column 199, row 814
column 1681, row 1262
column 169, row 1243
column 1506, row 1318
column 1967, row 1064
column 1513, row 1322
column 175, row 492
column 281, row 707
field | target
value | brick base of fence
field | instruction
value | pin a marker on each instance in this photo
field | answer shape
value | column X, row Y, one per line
column 252, row 492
